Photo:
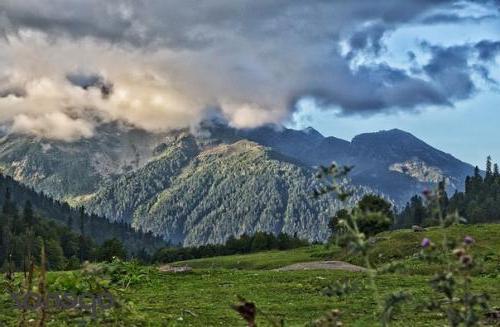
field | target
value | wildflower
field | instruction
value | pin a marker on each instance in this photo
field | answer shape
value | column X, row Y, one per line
column 247, row 311
column 426, row 243
column 459, row 252
column 468, row 240
column 466, row 260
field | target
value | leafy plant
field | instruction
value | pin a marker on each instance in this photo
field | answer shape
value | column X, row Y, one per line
column 453, row 283
column 126, row 273
column 372, row 215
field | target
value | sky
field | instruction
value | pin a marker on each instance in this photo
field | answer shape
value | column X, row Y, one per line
column 468, row 130
column 429, row 67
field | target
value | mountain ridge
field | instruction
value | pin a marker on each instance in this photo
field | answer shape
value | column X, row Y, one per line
column 373, row 154
column 126, row 175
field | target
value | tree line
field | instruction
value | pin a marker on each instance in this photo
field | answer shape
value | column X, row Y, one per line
column 260, row 241
column 23, row 231
column 97, row 228
column 478, row 203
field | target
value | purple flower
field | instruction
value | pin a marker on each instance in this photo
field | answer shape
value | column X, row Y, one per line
column 425, row 243
column 468, row 240
column 466, row 260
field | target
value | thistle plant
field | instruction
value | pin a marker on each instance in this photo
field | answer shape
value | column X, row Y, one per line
column 248, row 312
column 452, row 285
column 455, row 299
column 350, row 235
column 42, row 288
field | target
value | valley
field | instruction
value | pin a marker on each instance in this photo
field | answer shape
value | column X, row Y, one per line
column 249, row 163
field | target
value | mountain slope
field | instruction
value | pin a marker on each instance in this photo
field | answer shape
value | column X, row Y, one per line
column 118, row 198
column 394, row 162
column 234, row 189
column 64, row 170
column 205, row 195
column 401, row 165
column 97, row 228
column 204, row 185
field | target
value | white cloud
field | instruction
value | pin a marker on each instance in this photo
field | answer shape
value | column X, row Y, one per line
column 171, row 63
column 55, row 125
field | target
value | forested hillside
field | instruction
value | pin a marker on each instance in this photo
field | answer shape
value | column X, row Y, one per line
column 479, row 203
column 22, row 233
column 96, row 228
column 193, row 196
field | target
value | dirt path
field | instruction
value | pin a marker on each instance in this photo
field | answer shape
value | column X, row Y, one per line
column 174, row 269
column 328, row 265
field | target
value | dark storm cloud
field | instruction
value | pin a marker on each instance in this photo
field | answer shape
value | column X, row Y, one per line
column 453, row 19
column 377, row 87
column 367, row 40
column 86, row 81
column 449, row 68
column 253, row 59
column 63, row 18
column 488, row 50
column 192, row 23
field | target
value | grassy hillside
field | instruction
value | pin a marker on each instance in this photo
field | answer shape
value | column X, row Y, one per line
column 401, row 245
column 203, row 297
column 261, row 260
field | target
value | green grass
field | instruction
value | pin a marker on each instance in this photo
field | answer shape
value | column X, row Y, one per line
column 261, row 260
column 203, row 297
column 295, row 297
column 401, row 245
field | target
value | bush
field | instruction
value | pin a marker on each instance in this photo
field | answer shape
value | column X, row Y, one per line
column 111, row 249
column 373, row 215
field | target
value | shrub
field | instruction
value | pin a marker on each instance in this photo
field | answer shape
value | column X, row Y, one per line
column 111, row 249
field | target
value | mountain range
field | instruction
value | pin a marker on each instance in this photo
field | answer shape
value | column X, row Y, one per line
column 203, row 185
column 392, row 162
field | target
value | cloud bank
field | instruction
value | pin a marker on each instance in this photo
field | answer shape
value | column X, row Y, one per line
column 68, row 66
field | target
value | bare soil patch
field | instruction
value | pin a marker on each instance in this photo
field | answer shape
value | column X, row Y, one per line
column 318, row 265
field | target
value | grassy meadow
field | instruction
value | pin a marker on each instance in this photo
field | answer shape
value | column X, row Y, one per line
column 204, row 296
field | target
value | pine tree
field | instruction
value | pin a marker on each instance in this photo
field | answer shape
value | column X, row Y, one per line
column 28, row 216
column 81, row 248
column 477, row 174
column 82, row 221
column 110, row 249
column 7, row 204
column 467, row 184
column 81, row 239
column 495, row 170
column 489, row 172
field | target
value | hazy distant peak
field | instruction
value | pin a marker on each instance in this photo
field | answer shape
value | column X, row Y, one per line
column 391, row 136
column 311, row 131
